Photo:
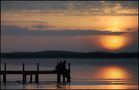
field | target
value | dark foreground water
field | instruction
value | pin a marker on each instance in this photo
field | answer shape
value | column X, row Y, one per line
column 85, row 74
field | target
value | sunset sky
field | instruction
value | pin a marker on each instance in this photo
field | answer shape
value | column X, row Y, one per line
column 81, row 26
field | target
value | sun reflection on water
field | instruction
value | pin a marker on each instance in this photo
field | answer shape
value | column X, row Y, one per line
column 113, row 72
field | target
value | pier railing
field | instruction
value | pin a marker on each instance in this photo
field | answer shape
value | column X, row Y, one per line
column 59, row 71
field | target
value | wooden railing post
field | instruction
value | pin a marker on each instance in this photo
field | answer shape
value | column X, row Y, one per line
column 68, row 78
column 24, row 75
column 30, row 78
column 0, row 71
column 4, row 75
column 37, row 75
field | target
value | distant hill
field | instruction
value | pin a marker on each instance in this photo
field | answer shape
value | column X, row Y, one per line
column 68, row 54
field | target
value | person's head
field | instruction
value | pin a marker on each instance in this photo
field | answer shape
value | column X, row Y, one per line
column 60, row 62
column 65, row 61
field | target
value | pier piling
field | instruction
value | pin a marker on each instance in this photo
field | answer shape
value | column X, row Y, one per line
column 4, row 75
column 31, row 78
column 24, row 75
column 68, row 77
column 37, row 75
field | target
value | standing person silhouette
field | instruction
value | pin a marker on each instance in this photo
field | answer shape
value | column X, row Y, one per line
column 61, row 67
column 64, row 70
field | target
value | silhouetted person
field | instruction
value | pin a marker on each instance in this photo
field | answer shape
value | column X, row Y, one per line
column 64, row 70
column 57, row 67
column 61, row 67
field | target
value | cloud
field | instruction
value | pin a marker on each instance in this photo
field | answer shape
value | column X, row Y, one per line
column 13, row 30
column 74, row 7
column 40, row 27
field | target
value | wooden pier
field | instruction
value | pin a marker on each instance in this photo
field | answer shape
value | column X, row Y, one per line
column 59, row 71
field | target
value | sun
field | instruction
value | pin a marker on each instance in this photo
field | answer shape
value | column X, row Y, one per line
column 113, row 42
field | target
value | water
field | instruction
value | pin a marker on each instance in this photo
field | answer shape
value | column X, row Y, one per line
column 85, row 74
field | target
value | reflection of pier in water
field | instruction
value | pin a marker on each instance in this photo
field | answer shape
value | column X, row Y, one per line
column 58, row 71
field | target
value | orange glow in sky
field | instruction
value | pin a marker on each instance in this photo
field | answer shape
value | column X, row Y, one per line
column 120, row 23
column 62, row 22
column 116, row 24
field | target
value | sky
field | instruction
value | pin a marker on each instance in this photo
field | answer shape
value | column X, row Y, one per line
column 81, row 26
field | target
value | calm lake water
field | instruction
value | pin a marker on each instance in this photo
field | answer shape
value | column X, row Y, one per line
column 85, row 74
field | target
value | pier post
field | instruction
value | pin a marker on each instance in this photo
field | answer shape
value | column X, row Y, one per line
column 37, row 75
column 23, row 72
column 0, row 71
column 24, row 75
column 4, row 75
column 68, row 78
column 25, row 78
column 31, row 78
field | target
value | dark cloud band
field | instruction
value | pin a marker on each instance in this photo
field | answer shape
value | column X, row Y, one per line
column 13, row 30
